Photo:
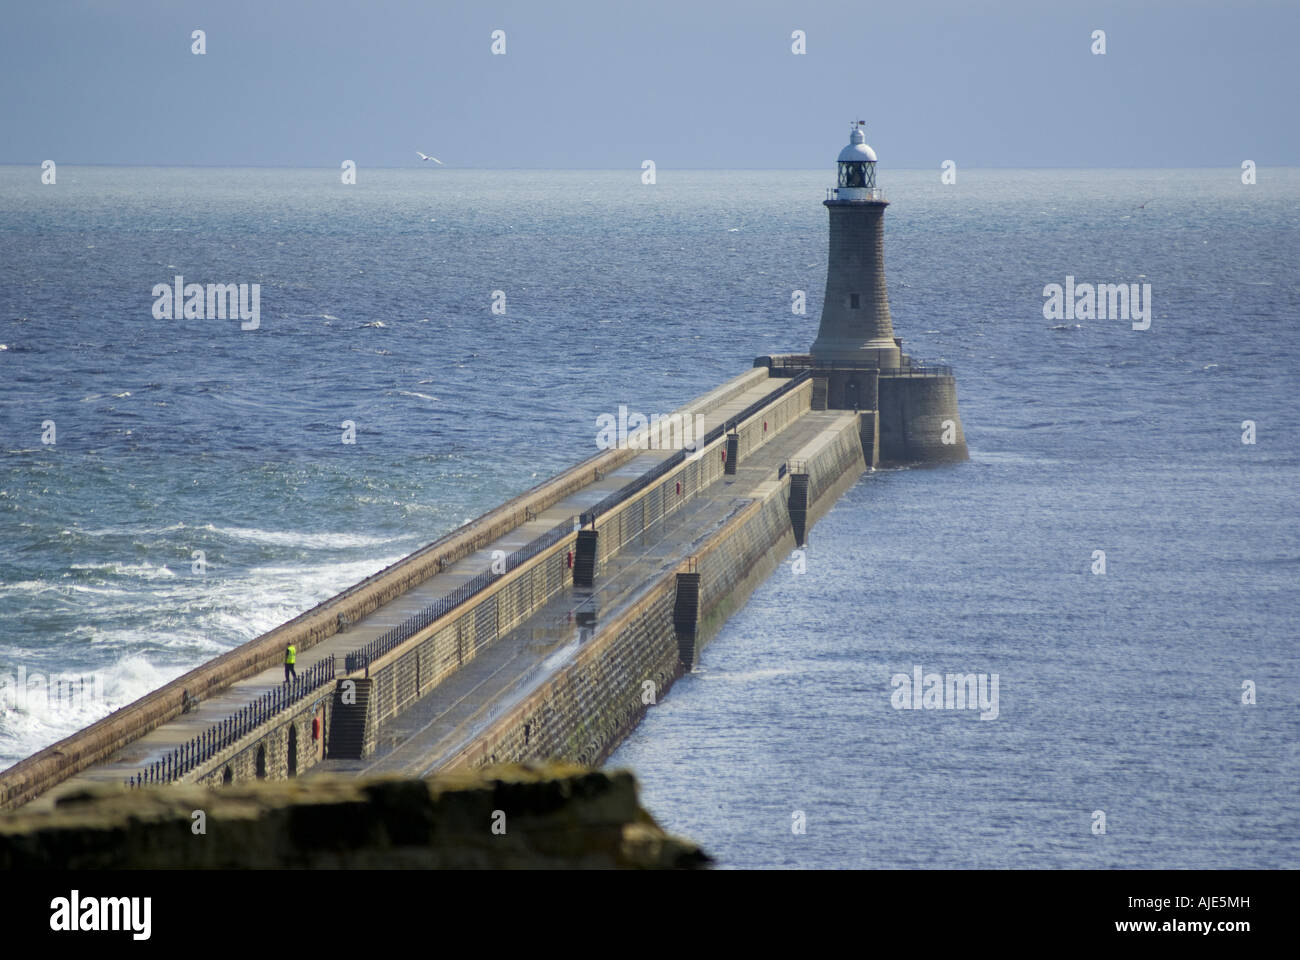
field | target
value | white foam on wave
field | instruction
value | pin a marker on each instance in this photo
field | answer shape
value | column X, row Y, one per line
column 123, row 632
column 27, row 586
column 145, row 571
column 127, row 528
column 36, row 721
column 328, row 577
column 97, row 591
column 297, row 538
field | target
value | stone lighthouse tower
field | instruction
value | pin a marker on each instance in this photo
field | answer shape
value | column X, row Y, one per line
column 856, row 329
column 908, row 409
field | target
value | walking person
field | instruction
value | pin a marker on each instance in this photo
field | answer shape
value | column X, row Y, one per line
column 290, row 658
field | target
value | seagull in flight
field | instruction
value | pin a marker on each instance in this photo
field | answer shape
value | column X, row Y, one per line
column 425, row 156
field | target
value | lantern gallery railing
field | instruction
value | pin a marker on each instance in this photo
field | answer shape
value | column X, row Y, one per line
column 855, row 193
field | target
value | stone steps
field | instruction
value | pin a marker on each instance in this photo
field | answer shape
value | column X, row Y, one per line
column 348, row 727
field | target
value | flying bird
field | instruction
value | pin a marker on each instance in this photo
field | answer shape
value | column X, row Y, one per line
column 425, row 156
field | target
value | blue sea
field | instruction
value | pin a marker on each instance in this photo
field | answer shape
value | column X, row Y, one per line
column 1120, row 693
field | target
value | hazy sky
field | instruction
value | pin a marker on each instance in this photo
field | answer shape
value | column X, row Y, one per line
column 686, row 84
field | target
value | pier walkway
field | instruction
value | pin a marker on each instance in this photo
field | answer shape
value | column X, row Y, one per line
column 429, row 735
column 424, row 736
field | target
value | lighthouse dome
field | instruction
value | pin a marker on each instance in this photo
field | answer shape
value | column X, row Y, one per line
column 857, row 150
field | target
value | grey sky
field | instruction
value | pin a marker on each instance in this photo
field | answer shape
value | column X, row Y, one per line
column 607, row 85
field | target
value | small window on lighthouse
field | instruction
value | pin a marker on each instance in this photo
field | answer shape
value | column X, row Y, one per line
column 853, row 301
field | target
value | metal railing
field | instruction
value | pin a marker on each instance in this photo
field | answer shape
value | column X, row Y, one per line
column 783, row 363
column 362, row 657
column 222, row 734
column 918, row 368
column 862, row 193
column 666, row 466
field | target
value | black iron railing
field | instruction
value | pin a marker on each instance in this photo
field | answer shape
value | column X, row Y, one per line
column 222, row 734
column 918, row 370
column 784, row 365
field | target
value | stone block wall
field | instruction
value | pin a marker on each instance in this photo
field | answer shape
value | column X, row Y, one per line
column 912, row 413
column 586, row 710
column 632, row 517
column 265, row 753
column 407, row 673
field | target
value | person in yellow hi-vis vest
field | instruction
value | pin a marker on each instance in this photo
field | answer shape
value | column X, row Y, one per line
column 290, row 657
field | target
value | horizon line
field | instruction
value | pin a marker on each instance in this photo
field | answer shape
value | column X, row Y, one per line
column 636, row 169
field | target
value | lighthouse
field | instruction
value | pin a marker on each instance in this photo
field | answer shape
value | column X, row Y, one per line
column 907, row 409
column 856, row 328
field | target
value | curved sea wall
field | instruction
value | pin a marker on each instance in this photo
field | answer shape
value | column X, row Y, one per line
column 915, row 412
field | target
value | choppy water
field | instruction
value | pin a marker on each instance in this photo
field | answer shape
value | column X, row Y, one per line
column 1118, row 693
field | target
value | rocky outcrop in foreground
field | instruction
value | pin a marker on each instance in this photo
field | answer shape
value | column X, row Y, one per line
column 502, row 817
